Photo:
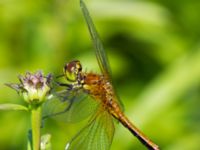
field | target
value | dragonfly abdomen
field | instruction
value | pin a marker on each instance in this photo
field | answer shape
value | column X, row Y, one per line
column 135, row 131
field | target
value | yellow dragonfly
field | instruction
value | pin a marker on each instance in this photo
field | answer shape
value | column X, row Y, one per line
column 92, row 94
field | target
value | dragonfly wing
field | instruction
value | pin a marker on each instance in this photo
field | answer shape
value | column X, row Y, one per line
column 99, row 49
column 69, row 106
column 97, row 135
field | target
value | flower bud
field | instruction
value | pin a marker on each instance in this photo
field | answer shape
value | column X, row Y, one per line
column 33, row 87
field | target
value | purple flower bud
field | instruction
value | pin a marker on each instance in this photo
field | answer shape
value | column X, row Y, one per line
column 33, row 87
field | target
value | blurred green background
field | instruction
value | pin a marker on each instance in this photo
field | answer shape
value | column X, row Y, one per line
column 154, row 51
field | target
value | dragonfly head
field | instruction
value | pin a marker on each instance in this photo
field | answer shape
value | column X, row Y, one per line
column 72, row 70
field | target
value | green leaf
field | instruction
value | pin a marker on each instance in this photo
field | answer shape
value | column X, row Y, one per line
column 12, row 107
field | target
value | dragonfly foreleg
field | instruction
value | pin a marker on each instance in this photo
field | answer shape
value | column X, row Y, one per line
column 63, row 84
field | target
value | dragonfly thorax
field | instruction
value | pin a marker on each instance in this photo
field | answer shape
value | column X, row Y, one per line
column 98, row 87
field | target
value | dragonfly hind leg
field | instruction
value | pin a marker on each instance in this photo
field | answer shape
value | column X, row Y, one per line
column 58, row 113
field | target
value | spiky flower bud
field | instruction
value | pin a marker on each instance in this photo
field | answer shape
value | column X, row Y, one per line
column 33, row 87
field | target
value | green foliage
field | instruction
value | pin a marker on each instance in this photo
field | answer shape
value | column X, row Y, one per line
column 154, row 52
column 12, row 107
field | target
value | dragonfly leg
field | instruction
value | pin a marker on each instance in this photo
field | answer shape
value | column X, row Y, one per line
column 69, row 86
column 63, row 84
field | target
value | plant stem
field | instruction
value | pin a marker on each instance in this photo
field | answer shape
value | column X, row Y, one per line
column 36, row 122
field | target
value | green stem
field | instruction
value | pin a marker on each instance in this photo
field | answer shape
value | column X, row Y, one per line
column 36, row 122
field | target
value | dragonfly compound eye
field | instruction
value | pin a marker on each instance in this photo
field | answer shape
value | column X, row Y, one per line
column 72, row 70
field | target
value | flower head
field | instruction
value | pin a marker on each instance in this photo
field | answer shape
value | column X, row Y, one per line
column 33, row 87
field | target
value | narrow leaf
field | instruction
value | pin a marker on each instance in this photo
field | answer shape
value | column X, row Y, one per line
column 12, row 107
column 29, row 142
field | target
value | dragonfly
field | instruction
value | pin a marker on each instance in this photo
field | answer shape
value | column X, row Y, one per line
column 90, row 94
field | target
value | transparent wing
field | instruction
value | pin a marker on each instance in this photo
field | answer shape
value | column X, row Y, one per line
column 99, row 49
column 97, row 135
column 69, row 106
